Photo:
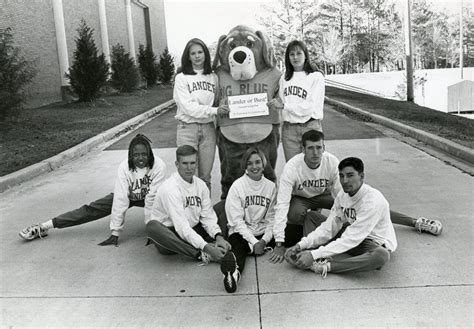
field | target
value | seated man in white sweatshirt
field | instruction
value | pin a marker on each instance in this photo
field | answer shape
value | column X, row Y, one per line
column 358, row 225
column 182, row 218
column 310, row 181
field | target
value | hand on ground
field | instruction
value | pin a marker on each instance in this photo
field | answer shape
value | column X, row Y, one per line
column 277, row 255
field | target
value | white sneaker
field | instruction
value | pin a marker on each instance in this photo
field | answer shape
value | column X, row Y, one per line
column 205, row 258
column 34, row 231
column 429, row 225
column 320, row 266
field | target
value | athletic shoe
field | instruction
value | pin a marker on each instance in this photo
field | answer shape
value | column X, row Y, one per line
column 320, row 266
column 230, row 271
column 429, row 226
column 205, row 258
column 34, row 231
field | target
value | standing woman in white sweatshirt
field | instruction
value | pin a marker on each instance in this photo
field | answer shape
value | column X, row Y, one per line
column 301, row 95
column 249, row 208
column 195, row 94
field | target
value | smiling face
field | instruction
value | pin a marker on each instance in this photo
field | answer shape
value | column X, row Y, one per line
column 140, row 156
column 186, row 165
column 255, row 167
column 351, row 180
column 297, row 58
column 197, row 56
column 313, row 153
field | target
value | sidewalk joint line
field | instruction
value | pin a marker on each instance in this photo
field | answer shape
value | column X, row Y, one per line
column 258, row 293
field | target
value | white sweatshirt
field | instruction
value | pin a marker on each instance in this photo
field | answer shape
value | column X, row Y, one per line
column 134, row 185
column 194, row 96
column 368, row 216
column 249, row 208
column 298, row 179
column 183, row 205
column 302, row 96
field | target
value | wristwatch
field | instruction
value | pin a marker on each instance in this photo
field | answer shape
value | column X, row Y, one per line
column 279, row 244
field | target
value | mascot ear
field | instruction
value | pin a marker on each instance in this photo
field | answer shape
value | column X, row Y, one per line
column 215, row 63
column 268, row 52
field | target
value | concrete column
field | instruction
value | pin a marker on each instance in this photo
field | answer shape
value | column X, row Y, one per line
column 104, row 35
column 61, row 42
column 131, row 40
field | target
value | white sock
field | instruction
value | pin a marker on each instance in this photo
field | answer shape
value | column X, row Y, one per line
column 47, row 225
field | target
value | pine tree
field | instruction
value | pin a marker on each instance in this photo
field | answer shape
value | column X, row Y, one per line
column 149, row 68
column 166, row 66
column 89, row 71
column 125, row 75
column 15, row 73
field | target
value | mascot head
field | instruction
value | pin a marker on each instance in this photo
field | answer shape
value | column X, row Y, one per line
column 243, row 52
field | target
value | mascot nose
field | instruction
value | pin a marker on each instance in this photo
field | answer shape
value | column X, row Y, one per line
column 239, row 56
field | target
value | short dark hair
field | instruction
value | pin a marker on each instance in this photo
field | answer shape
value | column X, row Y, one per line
column 248, row 154
column 313, row 136
column 353, row 162
column 185, row 150
column 289, row 69
column 143, row 140
column 187, row 66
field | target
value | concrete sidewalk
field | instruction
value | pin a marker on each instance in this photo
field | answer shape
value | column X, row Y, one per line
column 66, row 280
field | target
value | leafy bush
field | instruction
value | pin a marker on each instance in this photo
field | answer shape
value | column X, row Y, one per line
column 166, row 66
column 125, row 75
column 149, row 68
column 15, row 73
column 89, row 72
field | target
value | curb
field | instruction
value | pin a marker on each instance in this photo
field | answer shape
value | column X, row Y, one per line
column 54, row 162
column 454, row 149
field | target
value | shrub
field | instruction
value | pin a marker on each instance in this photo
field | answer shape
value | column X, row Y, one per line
column 89, row 72
column 166, row 66
column 125, row 75
column 15, row 73
column 149, row 68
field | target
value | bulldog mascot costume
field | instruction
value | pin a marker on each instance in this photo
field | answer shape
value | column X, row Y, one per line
column 245, row 64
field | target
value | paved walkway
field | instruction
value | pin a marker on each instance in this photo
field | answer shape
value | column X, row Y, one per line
column 67, row 280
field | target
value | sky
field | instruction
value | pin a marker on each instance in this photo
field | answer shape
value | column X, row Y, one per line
column 208, row 20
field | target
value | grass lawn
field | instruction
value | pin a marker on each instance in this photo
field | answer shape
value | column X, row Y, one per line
column 36, row 134
column 451, row 127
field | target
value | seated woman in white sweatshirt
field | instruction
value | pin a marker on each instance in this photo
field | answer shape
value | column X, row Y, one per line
column 249, row 209
column 138, row 178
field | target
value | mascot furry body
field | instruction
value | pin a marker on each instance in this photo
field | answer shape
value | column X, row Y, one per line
column 245, row 64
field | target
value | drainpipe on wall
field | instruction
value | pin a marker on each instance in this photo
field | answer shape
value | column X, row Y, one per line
column 62, row 47
column 131, row 40
column 104, row 35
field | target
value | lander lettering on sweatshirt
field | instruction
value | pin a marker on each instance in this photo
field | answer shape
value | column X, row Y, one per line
column 300, row 180
column 134, row 185
column 368, row 216
column 194, row 96
column 302, row 96
column 183, row 205
column 250, row 209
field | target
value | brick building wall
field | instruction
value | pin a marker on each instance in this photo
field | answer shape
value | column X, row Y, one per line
column 32, row 24
column 158, row 25
column 37, row 40
column 116, row 18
